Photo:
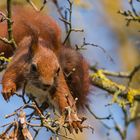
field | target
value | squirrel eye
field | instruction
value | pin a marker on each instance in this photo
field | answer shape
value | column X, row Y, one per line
column 34, row 67
column 58, row 70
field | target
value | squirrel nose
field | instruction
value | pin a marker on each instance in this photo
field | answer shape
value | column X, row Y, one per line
column 46, row 85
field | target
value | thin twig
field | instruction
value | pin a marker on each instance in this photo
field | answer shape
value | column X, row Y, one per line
column 134, row 71
column 130, row 15
column 132, row 7
column 96, row 117
column 4, row 17
column 94, row 45
column 5, row 40
column 128, row 75
column 9, row 24
column 35, row 7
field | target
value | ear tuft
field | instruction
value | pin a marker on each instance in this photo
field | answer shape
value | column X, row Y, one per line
column 34, row 34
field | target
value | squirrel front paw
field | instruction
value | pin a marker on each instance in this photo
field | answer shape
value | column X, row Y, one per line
column 8, row 90
column 71, row 120
column 75, row 123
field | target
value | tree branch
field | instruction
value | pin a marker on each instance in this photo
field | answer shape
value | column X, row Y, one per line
column 99, row 79
column 9, row 23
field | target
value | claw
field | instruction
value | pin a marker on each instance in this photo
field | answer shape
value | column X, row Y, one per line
column 8, row 91
column 70, row 128
column 75, row 122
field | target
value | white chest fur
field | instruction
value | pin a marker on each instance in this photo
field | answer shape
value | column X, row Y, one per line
column 39, row 94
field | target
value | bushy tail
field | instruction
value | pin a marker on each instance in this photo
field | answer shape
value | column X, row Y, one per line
column 76, row 71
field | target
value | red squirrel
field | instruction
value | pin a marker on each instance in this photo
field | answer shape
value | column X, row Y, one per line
column 53, row 73
column 46, row 26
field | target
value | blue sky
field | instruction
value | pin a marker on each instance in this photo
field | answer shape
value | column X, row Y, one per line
column 97, row 32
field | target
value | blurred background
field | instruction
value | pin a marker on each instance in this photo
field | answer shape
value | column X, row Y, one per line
column 104, row 26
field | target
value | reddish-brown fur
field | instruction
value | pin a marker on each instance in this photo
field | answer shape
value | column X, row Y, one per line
column 44, row 76
column 76, row 74
column 39, row 47
column 30, row 26
column 46, row 27
column 20, row 71
column 27, row 21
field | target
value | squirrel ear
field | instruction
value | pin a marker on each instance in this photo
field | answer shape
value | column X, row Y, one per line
column 34, row 42
column 33, row 33
column 34, row 46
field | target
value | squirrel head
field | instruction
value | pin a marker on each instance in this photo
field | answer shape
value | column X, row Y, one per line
column 43, row 63
column 44, row 67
